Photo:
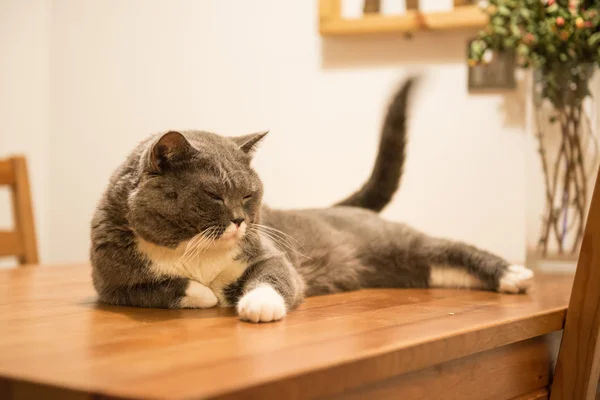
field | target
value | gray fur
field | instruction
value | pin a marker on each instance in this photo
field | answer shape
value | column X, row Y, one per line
column 164, row 194
column 177, row 185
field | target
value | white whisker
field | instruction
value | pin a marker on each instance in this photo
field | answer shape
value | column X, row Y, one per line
column 279, row 235
column 270, row 228
column 194, row 250
column 194, row 243
column 207, row 244
column 279, row 241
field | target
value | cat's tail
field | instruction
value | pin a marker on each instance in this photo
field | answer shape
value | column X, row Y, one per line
column 378, row 191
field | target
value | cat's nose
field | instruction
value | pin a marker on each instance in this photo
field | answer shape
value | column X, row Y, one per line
column 237, row 221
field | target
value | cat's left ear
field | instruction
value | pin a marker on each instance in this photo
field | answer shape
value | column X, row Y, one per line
column 248, row 143
column 170, row 149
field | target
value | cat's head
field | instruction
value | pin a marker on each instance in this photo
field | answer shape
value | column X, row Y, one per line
column 196, row 185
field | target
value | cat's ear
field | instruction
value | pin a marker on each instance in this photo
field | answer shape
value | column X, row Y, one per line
column 248, row 143
column 171, row 148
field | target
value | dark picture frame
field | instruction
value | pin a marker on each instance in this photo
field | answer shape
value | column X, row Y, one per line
column 498, row 74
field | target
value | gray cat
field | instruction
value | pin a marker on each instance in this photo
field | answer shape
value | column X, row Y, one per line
column 182, row 225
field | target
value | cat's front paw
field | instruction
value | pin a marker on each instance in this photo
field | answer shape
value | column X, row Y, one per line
column 516, row 279
column 262, row 304
column 198, row 296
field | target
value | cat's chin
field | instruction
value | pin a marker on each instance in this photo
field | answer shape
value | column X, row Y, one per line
column 224, row 245
column 232, row 234
column 227, row 241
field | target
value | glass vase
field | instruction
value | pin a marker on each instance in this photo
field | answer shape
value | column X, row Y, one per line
column 565, row 129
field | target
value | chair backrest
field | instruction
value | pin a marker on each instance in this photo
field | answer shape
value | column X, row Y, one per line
column 21, row 242
column 578, row 366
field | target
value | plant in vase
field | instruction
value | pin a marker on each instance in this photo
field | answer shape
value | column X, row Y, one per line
column 560, row 40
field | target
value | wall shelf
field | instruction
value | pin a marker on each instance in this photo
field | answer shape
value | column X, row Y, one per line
column 331, row 22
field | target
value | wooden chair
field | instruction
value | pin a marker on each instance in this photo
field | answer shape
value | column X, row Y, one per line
column 578, row 366
column 21, row 242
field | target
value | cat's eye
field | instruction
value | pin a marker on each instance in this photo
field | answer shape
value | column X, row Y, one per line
column 214, row 197
column 171, row 195
column 246, row 198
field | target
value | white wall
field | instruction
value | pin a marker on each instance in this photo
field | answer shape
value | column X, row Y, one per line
column 24, row 83
column 120, row 70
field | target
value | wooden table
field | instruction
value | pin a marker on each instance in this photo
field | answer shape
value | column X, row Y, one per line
column 55, row 340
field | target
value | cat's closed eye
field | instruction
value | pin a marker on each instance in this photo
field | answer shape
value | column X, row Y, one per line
column 171, row 195
column 215, row 197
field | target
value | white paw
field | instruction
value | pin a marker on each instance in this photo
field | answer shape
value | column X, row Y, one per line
column 198, row 296
column 516, row 279
column 262, row 304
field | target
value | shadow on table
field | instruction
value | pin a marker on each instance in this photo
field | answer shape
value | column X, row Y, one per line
column 149, row 315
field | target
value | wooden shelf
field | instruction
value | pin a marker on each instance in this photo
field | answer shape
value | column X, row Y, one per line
column 332, row 24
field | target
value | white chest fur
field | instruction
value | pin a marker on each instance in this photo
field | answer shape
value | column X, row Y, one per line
column 215, row 267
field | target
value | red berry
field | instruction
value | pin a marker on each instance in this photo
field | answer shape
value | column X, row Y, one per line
column 529, row 38
column 560, row 21
column 550, row 2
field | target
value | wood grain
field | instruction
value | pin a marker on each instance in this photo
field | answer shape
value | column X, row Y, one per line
column 413, row 20
column 54, row 334
column 541, row 394
column 578, row 366
column 10, row 244
column 18, row 390
column 498, row 374
column 6, row 172
column 21, row 243
column 23, row 211
column 329, row 10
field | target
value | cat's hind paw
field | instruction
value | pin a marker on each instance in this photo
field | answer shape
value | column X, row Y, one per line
column 516, row 279
column 262, row 304
column 198, row 296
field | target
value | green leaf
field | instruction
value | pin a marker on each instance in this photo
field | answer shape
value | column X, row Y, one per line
column 525, row 13
column 595, row 38
column 514, row 29
column 498, row 21
column 528, row 27
column 523, row 49
column 503, row 10
column 501, row 30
